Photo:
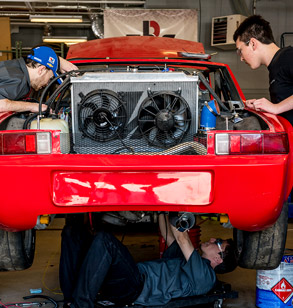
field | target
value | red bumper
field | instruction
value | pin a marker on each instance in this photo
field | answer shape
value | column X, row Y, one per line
column 244, row 187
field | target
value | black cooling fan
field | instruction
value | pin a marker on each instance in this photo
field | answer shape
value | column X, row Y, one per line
column 164, row 118
column 102, row 116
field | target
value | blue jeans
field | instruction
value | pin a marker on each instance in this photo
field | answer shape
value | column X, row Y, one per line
column 99, row 264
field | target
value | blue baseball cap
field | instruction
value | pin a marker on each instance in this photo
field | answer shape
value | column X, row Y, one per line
column 47, row 57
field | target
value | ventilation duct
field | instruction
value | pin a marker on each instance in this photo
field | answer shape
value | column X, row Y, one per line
column 97, row 25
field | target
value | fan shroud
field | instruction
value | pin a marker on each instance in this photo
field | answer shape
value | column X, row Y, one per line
column 164, row 118
column 102, row 115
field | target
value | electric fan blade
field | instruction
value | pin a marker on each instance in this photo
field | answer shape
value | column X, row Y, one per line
column 164, row 138
column 178, row 132
column 181, row 120
column 153, row 134
column 85, row 112
column 170, row 116
column 146, row 122
column 102, row 116
column 167, row 100
column 181, row 109
column 159, row 102
column 89, row 124
column 106, row 101
column 90, row 106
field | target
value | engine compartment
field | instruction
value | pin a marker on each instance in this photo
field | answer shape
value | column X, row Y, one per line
column 133, row 112
column 161, row 111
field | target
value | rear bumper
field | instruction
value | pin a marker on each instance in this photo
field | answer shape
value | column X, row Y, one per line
column 250, row 189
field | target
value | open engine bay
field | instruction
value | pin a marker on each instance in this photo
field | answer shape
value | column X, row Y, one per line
column 146, row 111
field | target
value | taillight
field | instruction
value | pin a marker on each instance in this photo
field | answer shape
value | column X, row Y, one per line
column 25, row 143
column 250, row 143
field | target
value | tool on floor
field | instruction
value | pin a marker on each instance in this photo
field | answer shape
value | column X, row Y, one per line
column 29, row 304
column 50, row 299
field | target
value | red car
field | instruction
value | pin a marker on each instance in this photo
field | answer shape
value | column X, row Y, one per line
column 148, row 124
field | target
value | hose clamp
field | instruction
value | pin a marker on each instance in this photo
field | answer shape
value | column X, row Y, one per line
column 210, row 109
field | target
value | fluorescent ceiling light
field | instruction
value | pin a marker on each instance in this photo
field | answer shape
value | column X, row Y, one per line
column 55, row 18
column 68, row 40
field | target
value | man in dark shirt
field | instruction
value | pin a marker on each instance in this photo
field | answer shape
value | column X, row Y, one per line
column 18, row 76
column 256, row 46
column 104, row 265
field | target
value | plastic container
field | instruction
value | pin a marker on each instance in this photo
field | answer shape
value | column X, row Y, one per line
column 274, row 288
column 194, row 235
column 56, row 124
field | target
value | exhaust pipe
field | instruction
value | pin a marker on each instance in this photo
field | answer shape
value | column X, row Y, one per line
column 183, row 221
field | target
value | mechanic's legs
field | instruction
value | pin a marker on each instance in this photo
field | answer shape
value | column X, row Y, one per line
column 76, row 241
column 109, row 261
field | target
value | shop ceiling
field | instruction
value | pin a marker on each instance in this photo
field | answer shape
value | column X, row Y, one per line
column 20, row 12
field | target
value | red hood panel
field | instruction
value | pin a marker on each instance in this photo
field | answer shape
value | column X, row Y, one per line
column 137, row 47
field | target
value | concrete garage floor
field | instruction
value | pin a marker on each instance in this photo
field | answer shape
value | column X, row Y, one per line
column 143, row 245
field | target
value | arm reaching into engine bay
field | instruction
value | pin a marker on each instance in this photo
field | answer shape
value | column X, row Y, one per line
column 7, row 105
column 265, row 105
column 66, row 66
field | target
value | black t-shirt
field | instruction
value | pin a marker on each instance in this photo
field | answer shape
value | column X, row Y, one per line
column 14, row 79
column 281, row 78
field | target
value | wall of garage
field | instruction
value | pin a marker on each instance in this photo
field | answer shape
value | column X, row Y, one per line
column 253, row 83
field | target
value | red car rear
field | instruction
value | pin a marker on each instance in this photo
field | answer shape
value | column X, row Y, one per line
column 148, row 124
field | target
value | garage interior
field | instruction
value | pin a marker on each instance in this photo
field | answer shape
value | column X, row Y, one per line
column 19, row 34
column 143, row 244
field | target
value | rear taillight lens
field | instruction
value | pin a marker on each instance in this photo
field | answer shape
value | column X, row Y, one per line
column 266, row 143
column 44, row 144
column 25, row 143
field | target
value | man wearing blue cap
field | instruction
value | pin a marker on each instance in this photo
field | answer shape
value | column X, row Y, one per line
column 19, row 76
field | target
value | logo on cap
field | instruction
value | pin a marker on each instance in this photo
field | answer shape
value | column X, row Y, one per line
column 51, row 60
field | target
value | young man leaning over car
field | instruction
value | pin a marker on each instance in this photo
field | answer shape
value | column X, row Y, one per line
column 19, row 76
column 256, row 46
column 103, row 268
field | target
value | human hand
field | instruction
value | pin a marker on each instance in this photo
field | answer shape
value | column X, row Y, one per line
column 263, row 104
column 176, row 232
column 66, row 66
column 249, row 103
column 35, row 107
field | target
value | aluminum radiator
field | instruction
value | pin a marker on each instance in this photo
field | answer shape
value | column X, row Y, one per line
column 133, row 112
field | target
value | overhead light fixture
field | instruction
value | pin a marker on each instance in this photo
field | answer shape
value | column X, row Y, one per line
column 68, row 40
column 55, row 18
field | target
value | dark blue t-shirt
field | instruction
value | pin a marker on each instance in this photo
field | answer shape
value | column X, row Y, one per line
column 171, row 277
column 281, row 78
column 14, row 79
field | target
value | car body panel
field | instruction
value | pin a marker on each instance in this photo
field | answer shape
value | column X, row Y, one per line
column 36, row 185
column 137, row 47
